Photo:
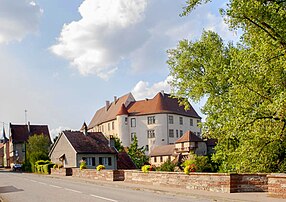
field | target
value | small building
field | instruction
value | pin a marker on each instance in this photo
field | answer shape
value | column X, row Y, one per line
column 71, row 147
column 189, row 142
column 19, row 135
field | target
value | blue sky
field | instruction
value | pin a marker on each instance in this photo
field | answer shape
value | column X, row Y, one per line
column 60, row 60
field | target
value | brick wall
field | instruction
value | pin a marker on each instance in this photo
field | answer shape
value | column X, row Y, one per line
column 216, row 182
column 277, row 185
column 248, row 183
column 105, row 175
column 61, row 171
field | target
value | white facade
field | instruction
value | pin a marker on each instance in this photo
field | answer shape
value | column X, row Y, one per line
column 123, row 128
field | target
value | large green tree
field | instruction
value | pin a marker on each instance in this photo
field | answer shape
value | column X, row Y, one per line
column 244, row 84
column 137, row 154
column 37, row 148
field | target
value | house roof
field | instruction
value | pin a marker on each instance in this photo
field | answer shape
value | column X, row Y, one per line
column 189, row 136
column 21, row 133
column 94, row 142
column 211, row 142
column 124, row 161
column 103, row 115
column 161, row 103
column 163, row 150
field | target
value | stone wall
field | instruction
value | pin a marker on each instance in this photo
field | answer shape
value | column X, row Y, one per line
column 277, row 185
column 61, row 171
column 216, row 182
column 105, row 175
column 248, row 183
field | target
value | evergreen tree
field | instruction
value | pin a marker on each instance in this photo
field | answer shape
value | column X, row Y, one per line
column 137, row 154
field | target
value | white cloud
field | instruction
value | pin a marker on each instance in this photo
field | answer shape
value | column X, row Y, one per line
column 107, row 32
column 144, row 90
column 56, row 131
column 17, row 19
column 139, row 32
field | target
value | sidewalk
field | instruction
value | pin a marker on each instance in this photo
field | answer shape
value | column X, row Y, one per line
column 199, row 194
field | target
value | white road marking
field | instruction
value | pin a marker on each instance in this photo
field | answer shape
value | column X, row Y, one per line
column 55, row 186
column 42, row 183
column 107, row 199
column 73, row 190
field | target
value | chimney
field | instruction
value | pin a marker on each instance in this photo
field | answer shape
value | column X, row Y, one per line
column 107, row 103
column 29, row 127
column 162, row 92
column 85, row 129
column 115, row 99
column 111, row 141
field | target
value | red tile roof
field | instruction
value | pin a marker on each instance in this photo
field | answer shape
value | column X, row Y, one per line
column 102, row 115
column 161, row 103
column 124, row 161
column 189, row 136
column 94, row 142
column 20, row 133
column 163, row 150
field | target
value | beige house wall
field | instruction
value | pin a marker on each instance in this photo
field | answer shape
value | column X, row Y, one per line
column 159, row 160
column 113, row 160
column 64, row 147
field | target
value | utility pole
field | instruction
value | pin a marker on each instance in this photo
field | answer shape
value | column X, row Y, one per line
column 26, row 116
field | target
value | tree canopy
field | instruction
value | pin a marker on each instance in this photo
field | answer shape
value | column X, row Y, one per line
column 137, row 154
column 244, row 84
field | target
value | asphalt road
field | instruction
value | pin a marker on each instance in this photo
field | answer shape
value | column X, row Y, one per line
column 21, row 187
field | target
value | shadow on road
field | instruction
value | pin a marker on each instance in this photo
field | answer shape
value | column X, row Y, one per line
column 8, row 189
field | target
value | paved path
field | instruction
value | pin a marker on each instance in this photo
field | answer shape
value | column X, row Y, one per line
column 76, row 189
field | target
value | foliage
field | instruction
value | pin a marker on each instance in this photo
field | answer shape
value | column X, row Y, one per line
column 37, row 149
column 100, row 167
column 43, row 167
column 244, row 85
column 190, row 168
column 146, row 168
column 137, row 154
column 58, row 166
column 118, row 144
column 167, row 166
column 82, row 165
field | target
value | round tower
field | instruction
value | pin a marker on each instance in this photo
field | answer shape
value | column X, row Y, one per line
column 123, row 127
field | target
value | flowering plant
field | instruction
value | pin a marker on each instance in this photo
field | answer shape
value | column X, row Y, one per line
column 190, row 168
column 100, row 167
column 82, row 165
column 146, row 168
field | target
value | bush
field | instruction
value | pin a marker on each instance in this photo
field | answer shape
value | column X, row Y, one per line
column 82, row 165
column 100, row 167
column 190, row 168
column 147, row 168
column 43, row 166
column 167, row 166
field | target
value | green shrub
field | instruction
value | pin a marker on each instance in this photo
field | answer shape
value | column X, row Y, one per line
column 167, row 166
column 82, row 165
column 100, row 167
column 190, row 168
column 45, row 169
column 147, row 168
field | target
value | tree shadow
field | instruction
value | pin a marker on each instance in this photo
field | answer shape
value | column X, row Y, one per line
column 8, row 189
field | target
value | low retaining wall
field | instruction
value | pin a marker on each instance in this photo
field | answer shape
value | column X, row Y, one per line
column 61, row 171
column 105, row 175
column 277, row 185
column 216, row 182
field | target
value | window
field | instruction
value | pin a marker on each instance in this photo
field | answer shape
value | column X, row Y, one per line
column 132, row 136
column 112, row 125
column 177, row 133
column 90, row 161
column 106, row 161
column 133, row 122
column 181, row 120
column 181, row 133
column 155, row 159
column 198, row 122
column 171, row 132
column 151, row 133
column 171, row 119
column 191, row 122
column 126, row 120
column 147, row 147
column 161, row 158
column 108, row 126
column 151, row 120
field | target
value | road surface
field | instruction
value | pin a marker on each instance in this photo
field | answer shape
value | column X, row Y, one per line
column 21, row 187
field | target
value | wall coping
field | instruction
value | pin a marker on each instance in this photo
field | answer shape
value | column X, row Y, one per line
column 276, row 175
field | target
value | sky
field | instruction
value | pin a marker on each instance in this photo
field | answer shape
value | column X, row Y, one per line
column 61, row 60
